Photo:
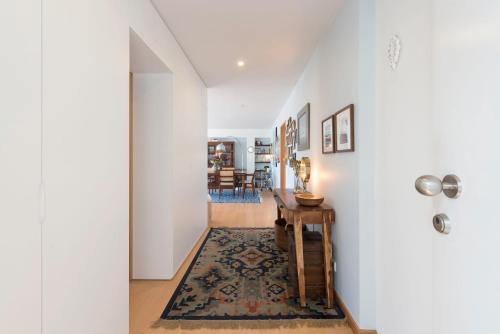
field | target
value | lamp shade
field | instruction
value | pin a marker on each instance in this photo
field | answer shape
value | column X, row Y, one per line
column 220, row 149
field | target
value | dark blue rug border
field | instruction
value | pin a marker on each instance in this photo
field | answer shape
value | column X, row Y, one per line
column 164, row 315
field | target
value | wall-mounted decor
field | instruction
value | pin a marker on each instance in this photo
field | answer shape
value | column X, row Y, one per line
column 276, row 146
column 291, row 136
column 344, row 129
column 393, row 51
column 303, row 121
column 327, row 136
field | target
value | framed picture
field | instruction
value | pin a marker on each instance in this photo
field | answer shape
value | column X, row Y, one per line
column 344, row 129
column 327, row 136
column 303, row 128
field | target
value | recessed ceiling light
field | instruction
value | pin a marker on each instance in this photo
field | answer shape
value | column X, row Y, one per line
column 241, row 63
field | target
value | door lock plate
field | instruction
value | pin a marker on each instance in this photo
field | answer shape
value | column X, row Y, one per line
column 441, row 223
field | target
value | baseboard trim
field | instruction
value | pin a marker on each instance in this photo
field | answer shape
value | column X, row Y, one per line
column 350, row 320
column 192, row 251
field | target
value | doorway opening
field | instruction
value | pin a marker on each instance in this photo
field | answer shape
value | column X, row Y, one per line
column 150, row 114
column 283, row 156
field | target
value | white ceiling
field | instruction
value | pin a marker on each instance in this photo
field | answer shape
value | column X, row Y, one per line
column 274, row 37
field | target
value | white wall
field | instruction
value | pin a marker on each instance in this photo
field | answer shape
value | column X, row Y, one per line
column 248, row 134
column 20, row 122
column 367, row 158
column 86, row 65
column 340, row 73
column 152, row 194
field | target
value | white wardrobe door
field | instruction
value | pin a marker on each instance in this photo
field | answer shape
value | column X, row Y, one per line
column 86, row 116
column 20, row 121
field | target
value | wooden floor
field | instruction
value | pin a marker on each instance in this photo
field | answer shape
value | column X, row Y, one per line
column 149, row 298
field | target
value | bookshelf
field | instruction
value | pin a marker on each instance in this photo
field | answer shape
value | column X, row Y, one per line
column 263, row 159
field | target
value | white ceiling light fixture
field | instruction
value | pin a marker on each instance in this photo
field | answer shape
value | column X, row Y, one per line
column 241, row 63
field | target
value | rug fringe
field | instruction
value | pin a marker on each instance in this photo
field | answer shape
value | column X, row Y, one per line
column 249, row 324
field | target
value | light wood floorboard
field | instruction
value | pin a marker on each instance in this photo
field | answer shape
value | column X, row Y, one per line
column 149, row 298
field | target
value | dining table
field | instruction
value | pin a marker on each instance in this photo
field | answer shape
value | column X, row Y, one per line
column 237, row 173
column 213, row 176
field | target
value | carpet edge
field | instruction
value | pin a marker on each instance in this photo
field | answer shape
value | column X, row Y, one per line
column 249, row 324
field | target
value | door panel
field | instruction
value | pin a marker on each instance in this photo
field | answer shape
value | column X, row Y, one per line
column 404, row 146
column 438, row 113
column 20, row 236
column 85, row 267
column 466, row 116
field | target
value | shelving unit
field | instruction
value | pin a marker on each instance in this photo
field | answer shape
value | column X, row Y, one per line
column 263, row 156
column 227, row 158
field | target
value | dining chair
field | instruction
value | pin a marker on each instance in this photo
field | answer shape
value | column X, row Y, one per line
column 249, row 183
column 226, row 180
column 213, row 181
column 238, row 181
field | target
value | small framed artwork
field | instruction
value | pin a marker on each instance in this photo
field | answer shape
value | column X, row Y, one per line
column 327, row 136
column 344, row 129
column 303, row 128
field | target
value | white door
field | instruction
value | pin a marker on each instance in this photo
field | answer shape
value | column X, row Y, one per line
column 438, row 113
column 20, row 233
column 466, row 120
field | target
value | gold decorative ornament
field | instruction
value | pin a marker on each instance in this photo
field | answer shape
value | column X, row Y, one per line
column 302, row 171
column 291, row 138
column 305, row 172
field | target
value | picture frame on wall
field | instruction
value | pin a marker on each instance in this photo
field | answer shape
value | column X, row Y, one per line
column 344, row 129
column 327, row 136
column 303, row 127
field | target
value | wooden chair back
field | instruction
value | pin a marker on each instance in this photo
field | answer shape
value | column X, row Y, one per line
column 252, row 178
column 226, row 176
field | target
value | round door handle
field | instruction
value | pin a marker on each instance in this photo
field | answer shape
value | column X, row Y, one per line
column 430, row 185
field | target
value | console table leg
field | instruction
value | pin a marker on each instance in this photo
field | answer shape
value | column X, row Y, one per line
column 327, row 256
column 299, row 252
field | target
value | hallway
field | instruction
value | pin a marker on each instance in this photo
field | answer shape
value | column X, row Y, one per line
column 148, row 298
column 245, row 215
column 373, row 122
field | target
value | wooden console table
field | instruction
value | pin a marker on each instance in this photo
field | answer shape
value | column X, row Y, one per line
column 296, row 215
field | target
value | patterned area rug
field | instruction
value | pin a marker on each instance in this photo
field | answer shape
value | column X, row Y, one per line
column 228, row 197
column 238, row 279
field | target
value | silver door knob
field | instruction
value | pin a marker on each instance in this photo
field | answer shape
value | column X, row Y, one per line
column 430, row 185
